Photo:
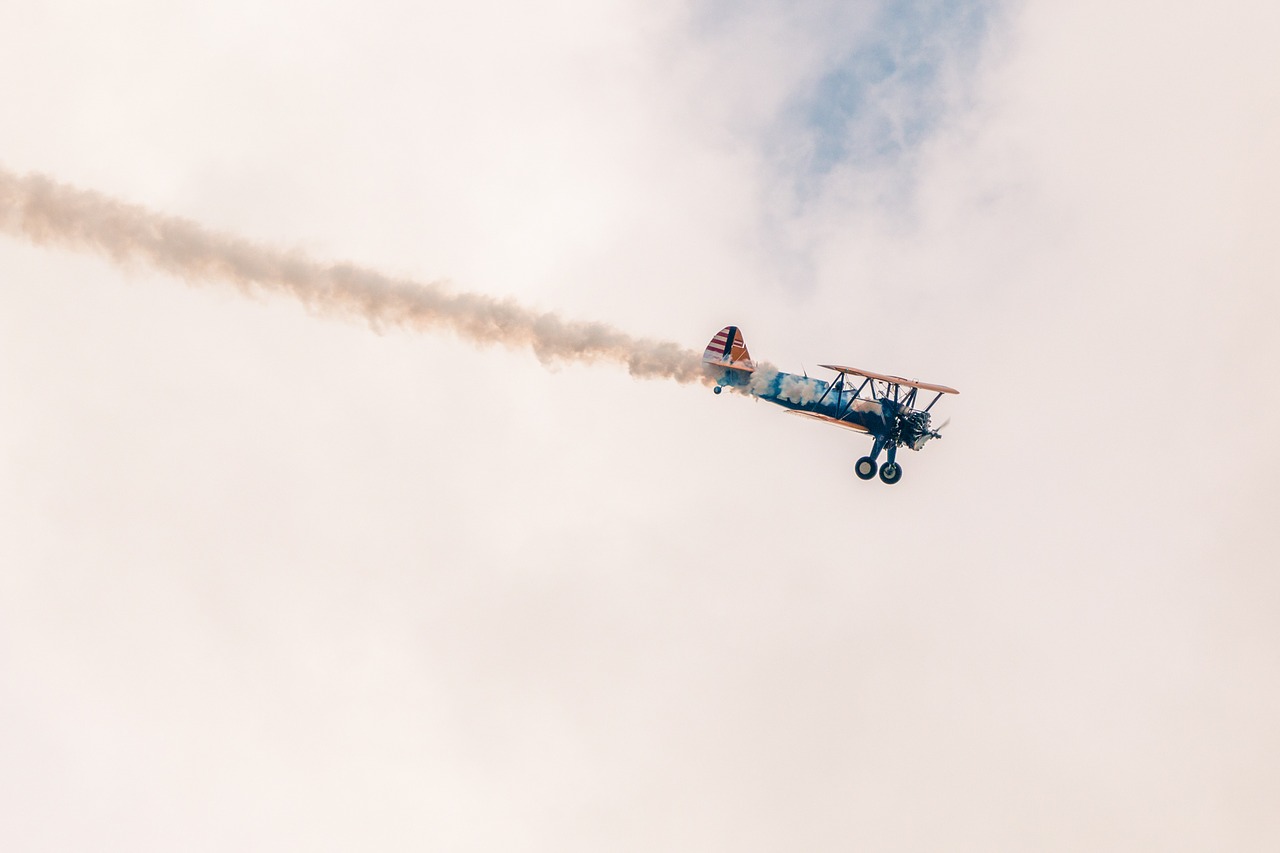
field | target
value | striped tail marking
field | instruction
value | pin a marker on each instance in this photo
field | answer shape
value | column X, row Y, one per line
column 728, row 350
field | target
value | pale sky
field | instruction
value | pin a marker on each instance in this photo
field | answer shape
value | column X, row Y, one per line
column 273, row 581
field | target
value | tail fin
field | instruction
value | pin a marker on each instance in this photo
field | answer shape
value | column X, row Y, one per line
column 727, row 350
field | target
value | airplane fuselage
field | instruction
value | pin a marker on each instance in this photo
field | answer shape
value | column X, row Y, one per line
column 806, row 394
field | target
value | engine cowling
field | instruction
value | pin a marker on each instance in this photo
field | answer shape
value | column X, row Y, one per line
column 914, row 429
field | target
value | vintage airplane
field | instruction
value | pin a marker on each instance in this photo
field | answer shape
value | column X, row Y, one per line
column 886, row 411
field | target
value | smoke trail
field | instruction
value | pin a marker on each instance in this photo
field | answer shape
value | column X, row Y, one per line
column 47, row 212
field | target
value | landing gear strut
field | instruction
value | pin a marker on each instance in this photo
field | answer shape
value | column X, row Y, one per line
column 891, row 471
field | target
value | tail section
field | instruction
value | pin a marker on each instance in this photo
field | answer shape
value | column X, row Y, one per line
column 727, row 350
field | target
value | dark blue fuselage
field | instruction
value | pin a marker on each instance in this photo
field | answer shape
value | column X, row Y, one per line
column 834, row 400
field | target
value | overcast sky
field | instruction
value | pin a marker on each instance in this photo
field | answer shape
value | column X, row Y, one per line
column 273, row 580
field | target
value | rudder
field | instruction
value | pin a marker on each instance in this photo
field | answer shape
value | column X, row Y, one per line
column 727, row 349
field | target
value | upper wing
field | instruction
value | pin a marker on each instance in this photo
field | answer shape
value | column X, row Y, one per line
column 893, row 380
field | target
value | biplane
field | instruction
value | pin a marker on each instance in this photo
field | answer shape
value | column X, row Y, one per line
column 891, row 410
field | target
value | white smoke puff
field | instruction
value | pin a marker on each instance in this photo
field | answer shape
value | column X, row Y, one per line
column 799, row 389
column 46, row 212
column 763, row 380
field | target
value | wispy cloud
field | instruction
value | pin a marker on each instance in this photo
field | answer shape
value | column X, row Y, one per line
column 885, row 93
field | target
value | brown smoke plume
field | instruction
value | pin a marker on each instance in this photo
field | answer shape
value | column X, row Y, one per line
column 47, row 212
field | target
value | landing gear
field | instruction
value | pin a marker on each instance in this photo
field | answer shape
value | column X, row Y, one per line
column 890, row 472
column 865, row 468
column 717, row 389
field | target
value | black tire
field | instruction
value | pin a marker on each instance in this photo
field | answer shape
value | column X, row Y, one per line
column 865, row 468
column 717, row 389
column 890, row 472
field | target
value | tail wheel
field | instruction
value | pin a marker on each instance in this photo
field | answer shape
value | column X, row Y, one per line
column 890, row 472
column 865, row 468
column 717, row 389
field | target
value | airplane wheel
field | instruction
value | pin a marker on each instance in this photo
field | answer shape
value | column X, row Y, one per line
column 717, row 389
column 890, row 472
column 865, row 468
